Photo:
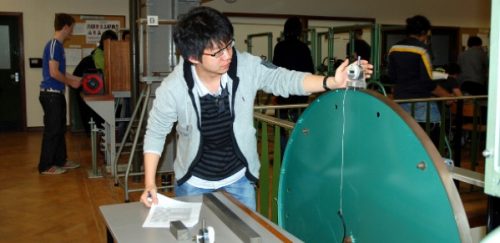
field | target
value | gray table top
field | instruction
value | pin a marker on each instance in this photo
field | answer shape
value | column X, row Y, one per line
column 124, row 221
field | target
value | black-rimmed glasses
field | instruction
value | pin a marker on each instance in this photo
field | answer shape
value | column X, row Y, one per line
column 219, row 53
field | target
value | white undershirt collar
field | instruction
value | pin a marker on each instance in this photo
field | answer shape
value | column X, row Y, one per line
column 202, row 89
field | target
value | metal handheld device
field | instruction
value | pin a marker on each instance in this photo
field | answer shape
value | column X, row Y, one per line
column 355, row 75
column 205, row 234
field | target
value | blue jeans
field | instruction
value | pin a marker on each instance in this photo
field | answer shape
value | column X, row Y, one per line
column 420, row 114
column 243, row 190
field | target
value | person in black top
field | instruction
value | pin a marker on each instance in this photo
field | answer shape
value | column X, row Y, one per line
column 361, row 48
column 291, row 53
column 410, row 68
column 86, row 66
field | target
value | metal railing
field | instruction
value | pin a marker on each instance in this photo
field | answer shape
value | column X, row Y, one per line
column 452, row 123
column 269, row 180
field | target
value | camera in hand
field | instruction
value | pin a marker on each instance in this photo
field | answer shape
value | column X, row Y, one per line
column 355, row 75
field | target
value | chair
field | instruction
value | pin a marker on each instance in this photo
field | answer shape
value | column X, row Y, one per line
column 473, row 124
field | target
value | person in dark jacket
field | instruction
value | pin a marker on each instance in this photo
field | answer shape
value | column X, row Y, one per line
column 410, row 68
column 93, row 63
column 361, row 48
column 293, row 54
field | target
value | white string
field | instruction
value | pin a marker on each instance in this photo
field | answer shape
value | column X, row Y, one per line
column 342, row 154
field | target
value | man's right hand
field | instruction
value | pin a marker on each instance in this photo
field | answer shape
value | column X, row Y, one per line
column 148, row 197
column 75, row 83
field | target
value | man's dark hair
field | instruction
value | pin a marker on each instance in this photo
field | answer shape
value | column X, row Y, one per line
column 292, row 28
column 474, row 41
column 201, row 28
column 417, row 25
column 108, row 34
column 61, row 20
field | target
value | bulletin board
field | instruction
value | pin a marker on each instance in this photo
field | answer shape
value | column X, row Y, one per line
column 87, row 33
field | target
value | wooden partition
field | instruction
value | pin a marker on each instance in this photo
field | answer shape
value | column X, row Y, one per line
column 117, row 66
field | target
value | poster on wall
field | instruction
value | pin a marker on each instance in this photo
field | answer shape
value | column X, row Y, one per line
column 87, row 33
column 95, row 28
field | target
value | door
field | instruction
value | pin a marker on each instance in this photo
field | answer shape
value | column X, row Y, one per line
column 12, row 96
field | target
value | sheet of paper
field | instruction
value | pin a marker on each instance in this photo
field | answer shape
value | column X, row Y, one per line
column 169, row 209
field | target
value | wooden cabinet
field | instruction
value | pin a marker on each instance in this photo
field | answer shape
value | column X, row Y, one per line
column 117, row 66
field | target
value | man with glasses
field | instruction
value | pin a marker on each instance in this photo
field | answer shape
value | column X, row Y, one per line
column 210, row 95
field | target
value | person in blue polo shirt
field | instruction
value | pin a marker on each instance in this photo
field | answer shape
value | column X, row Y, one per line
column 53, row 157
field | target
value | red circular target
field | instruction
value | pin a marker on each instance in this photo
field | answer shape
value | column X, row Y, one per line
column 92, row 83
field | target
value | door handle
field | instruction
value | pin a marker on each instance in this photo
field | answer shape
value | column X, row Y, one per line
column 15, row 77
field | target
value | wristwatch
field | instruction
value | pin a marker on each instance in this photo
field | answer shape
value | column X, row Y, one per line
column 325, row 84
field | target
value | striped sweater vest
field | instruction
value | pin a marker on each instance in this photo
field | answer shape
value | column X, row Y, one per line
column 218, row 158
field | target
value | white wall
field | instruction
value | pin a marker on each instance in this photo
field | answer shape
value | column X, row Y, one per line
column 38, row 18
column 462, row 13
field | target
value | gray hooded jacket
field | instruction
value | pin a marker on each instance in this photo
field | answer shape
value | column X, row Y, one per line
column 175, row 102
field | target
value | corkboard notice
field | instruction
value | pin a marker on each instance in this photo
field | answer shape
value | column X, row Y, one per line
column 87, row 33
